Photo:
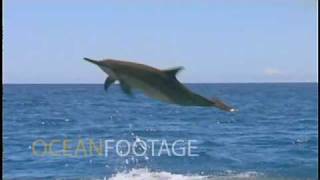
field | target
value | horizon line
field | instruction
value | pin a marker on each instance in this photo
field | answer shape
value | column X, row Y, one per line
column 253, row 82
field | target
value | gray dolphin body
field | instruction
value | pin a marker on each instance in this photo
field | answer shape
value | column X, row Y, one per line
column 159, row 84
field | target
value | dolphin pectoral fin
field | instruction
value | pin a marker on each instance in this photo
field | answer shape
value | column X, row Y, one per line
column 108, row 82
column 173, row 71
column 221, row 105
column 125, row 88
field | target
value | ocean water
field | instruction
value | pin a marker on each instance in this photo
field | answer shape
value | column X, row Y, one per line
column 272, row 136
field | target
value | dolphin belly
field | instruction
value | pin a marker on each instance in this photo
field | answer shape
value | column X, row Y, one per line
column 147, row 89
column 109, row 72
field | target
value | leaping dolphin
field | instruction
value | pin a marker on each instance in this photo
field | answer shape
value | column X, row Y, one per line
column 159, row 84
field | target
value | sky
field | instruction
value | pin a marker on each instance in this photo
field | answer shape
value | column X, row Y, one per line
column 215, row 41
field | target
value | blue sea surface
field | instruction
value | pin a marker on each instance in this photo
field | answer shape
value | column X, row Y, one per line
column 273, row 135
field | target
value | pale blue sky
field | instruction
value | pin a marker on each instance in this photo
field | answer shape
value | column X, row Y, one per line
column 216, row 41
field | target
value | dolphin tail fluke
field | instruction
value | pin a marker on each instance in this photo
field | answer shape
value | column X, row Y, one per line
column 91, row 60
column 221, row 105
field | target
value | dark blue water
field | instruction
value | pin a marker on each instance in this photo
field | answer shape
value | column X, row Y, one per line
column 274, row 133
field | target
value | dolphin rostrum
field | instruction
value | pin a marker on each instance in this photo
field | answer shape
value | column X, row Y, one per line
column 159, row 84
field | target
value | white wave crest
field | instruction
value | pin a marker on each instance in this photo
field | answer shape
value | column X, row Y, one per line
column 145, row 174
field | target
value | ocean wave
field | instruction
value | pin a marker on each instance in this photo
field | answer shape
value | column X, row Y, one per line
column 146, row 174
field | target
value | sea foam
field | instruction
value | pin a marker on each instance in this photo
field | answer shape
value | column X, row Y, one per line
column 146, row 174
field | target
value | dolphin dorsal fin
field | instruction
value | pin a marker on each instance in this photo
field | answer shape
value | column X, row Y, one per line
column 173, row 71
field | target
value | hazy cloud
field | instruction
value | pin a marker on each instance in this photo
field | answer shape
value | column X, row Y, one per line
column 272, row 72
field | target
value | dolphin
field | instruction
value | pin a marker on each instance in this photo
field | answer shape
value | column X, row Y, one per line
column 159, row 84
